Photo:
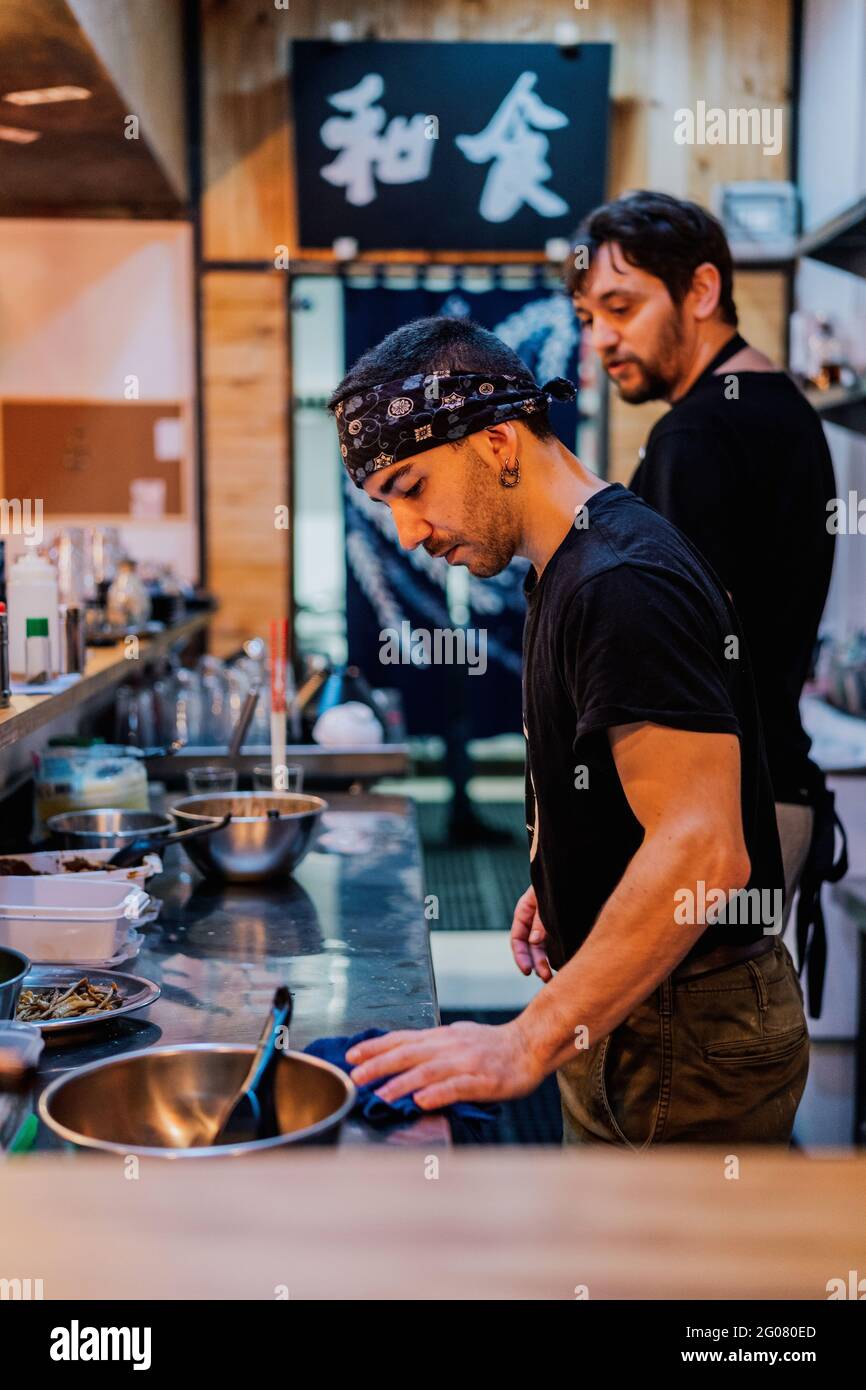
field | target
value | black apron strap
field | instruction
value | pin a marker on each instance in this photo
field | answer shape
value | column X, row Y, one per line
column 820, row 868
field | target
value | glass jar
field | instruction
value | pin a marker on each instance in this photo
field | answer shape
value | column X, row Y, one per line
column 128, row 602
column 70, row 778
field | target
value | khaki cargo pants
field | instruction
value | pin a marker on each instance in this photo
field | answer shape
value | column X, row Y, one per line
column 721, row 1057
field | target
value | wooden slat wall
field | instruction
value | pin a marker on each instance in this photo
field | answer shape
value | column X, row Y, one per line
column 245, row 401
column 668, row 54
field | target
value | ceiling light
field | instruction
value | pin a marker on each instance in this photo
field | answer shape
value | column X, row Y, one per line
column 41, row 96
column 16, row 136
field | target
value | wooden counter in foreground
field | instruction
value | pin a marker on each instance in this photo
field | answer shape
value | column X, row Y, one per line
column 497, row 1224
column 107, row 667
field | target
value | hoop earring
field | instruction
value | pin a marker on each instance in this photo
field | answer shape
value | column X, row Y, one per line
column 510, row 477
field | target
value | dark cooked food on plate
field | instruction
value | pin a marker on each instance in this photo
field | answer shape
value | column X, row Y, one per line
column 77, row 1001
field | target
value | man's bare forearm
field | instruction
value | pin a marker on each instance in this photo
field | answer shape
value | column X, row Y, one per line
column 633, row 946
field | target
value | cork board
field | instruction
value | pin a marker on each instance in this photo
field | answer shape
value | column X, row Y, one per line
column 82, row 456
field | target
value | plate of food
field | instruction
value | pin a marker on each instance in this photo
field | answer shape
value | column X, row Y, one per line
column 61, row 998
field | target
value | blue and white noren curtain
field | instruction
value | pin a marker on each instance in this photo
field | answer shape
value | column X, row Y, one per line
column 386, row 586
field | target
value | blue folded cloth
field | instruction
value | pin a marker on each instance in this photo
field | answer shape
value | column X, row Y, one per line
column 378, row 1112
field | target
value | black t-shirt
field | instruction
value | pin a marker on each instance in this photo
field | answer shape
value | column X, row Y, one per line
column 748, row 479
column 627, row 623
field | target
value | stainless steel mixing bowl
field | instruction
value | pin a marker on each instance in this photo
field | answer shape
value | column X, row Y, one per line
column 13, row 967
column 109, row 827
column 167, row 1101
column 254, row 846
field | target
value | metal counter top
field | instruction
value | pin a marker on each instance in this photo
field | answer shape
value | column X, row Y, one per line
column 347, row 934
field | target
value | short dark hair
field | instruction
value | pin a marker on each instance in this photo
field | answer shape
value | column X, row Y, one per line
column 439, row 345
column 665, row 236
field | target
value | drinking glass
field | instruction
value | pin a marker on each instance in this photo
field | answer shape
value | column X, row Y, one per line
column 189, row 713
column 135, row 720
column 211, row 781
column 289, row 778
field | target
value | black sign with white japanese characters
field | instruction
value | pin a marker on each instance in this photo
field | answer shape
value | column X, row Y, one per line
column 448, row 146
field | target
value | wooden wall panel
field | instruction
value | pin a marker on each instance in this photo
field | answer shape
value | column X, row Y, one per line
column 245, row 398
column 762, row 306
column 667, row 54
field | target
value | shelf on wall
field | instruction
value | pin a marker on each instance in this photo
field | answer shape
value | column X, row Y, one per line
column 107, row 668
column 755, row 255
column 841, row 405
column 841, row 241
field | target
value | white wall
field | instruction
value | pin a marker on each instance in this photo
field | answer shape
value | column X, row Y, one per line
column 832, row 175
column 832, row 158
column 83, row 305
column 319, row 554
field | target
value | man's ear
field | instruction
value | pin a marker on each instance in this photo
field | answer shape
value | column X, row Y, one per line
column 502, row 442
column 705, row 291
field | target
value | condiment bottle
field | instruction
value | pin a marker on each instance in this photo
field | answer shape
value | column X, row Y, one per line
column 37, row 664
column 31, row 593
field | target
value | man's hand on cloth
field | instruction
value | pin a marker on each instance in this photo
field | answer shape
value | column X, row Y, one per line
column 463, row 1061
column 440, row 1066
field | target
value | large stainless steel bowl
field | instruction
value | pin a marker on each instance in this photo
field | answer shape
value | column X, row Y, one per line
column 167, row 1101
column 13, row 967
column 254, row 846
column 109, row 827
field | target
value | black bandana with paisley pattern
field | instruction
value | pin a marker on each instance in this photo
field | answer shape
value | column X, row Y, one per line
column 383, row 424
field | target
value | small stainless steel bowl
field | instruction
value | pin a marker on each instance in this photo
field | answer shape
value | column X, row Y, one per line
column 108, row 827
column 163, row 1103
column 13, row 967
column 254, row 846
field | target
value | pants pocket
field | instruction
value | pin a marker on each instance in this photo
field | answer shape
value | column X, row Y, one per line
column 759, row 1051
column 634, row 1073
column 742, row 1069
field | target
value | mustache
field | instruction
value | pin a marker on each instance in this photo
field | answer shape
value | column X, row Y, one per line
column 616, row 360
column 440, row 550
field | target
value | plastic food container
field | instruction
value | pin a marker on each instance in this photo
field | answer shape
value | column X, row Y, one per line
column 69, row 919
column 65, row 863
column 79, row 779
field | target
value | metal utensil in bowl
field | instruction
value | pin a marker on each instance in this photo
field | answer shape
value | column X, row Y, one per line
column 268, row 835
column 107, row 827
column 239, row 732
column 251, row 1114
column 167, row 1102
column 13, row 967
column 135, row 850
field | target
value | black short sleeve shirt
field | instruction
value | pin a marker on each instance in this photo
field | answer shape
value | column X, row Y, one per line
column 746, row 475
column 627, row 624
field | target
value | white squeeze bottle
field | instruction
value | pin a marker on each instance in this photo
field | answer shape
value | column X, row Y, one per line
column 31, row 592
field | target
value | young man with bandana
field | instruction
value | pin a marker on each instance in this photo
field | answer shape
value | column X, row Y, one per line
column 648, row 794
